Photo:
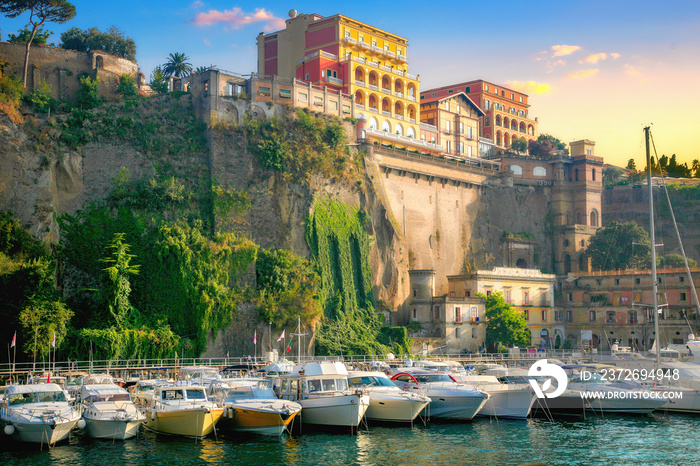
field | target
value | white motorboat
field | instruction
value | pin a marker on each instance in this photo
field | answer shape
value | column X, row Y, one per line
column 109, row 412
column 322, row 389
column 449, row 399
column 505, row 401
column 181, row 409
column 38, row 413
column 250, row 405
column 615, row 396
column 387, row 402
column 199, row 375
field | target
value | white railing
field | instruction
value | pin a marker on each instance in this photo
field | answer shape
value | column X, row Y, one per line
column 334, row 80
column 359, row 106
column 385, row 68
column 364, row 45
column 411, row 76
column 406, row 139
column 398, row 117
column 359, row 83
column 399, row 94
column 359, row 60
column 411, row 98
column 373, row 87
column 349, row 39
column 377, row 49
column 386, row 114
column 411, row 120
column 389, row 53
column 386, row 91
column 402, row 57
column 399, row 72
column 374, row 64
column 373, row 110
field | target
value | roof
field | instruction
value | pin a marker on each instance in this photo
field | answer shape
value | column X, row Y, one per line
column 322, row 368
column 34, row 388
column 428, row 100
column 102, row 389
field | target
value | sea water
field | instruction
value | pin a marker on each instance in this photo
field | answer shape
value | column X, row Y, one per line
column 653, row 439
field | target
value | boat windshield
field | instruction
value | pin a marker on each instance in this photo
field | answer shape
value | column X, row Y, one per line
column 110, row 398
column 427, row 378
column 327, row 385
column 195, row 394
column 371, row 381
column 36, row 397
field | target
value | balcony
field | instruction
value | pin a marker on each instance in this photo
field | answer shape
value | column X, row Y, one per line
column 386, row 91
column 405, row 139
column 373, row 110
column 373, row 87
column 359, row 106
column 386, row 114
column 377, row 49
column 336, row 81
column 359, row 83
column 359, row 60
column 385, row 68
column 411, row 76
column 412, row 120
column 374, row 64
column 402, row 57
column 389, row 53
column 350, row 40
column 398, row 72
column 411, row 98
column 364, row 45
column 398, row 117
column 399, row 94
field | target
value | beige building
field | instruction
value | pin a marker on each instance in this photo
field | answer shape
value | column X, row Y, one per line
column 527, row 290
column 456, row 119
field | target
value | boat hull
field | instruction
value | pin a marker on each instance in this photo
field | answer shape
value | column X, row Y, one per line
column 271, row 420
column 112, row 429
column 46, row 433
column 186, row 422
column 569, row 404
column 383, row 408
column 508, row 404
column 458, row 408
column 335, row 411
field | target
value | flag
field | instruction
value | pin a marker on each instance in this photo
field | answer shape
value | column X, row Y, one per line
column 281, row 336
column 53, row 343
column 255, row 338
column 14, row 340
column 227, row 354
column 289, row 347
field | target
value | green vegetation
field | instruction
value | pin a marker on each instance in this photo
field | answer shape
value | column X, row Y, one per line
column 505, row 325
column 159, row 82
column 177, row 65
column 112, row 41
column 612, row 248
column 674, row 261
column 22, row 36
column 301, row 144
column 340, row 248
column 41, row 100
column 11, row 89
column 127, row 86
column 545, row 144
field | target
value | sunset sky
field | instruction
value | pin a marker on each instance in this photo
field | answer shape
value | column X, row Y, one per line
column 600, row 70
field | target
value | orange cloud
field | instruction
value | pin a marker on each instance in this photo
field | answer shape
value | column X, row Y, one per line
column 197, row 4
column 583, row 74
column 236, row 19
column 530, row 87
column 563, row 50
column 595, row 58
column 631, row 71
column 615, row 56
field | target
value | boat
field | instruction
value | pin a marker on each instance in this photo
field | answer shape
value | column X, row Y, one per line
column 199, row 375
column 250, row 405
column 387, row 402
column 38, row 413
column 109, row 412
column 323, row 391
column 181, row 409
column 449, row 399
column 505, row 401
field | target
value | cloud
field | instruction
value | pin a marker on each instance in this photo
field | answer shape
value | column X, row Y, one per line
column 206, row 41
column 596, row 57
column 563, row 50
column 197, row 4
column 530, row 87
column 236, row 18
column 631, row 71
column 583, row 74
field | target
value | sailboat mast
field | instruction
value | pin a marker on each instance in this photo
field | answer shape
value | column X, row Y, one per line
column 299, row 338
column 652, row 235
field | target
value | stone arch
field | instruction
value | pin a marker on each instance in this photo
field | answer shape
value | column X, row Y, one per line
column 373, row 102
column 539, row 171
column 386, row 126
column 398, row 108
column 398, row 86
column 373, row 79
column 410, row 132
column 386, row 105
column 582, row 263
column 521, row 263
column 594, row 218
column 99, row 61
column 360, row 74
column 359, row 97
column 411, row 112
column 398, row 129
column 372, row 124
column 386, row 82
column 256, row 112
column 230, row 112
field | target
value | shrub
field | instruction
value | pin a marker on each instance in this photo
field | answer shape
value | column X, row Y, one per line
column 88, row 92
column 11, row 89
column 127, row 86
column 41, row 100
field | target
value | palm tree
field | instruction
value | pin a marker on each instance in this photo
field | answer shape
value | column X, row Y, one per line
column 696, row 168
column 177, row 65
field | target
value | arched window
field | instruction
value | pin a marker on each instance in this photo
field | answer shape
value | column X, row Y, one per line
column 398, row 129
column 567, row 263
column 594, row 218
column 593, row 174
column 576, row 173
column 411, row 133
column 539, row 171
column 521, row 264
column 386, row 126
column 373, row 123
column 515, row 169
column 578, row 218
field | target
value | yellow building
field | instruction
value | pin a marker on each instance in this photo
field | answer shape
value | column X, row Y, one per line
column 357, row 59
column 527, row 290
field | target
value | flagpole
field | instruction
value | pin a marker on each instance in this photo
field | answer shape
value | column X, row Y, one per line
column 299, row 338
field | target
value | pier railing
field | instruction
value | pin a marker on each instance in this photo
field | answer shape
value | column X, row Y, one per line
column 125, row 366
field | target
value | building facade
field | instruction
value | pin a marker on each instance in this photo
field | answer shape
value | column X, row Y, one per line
column 456, row 119
column 616, row 307
column 529, row 291
column 355, row 59
column 507, row 112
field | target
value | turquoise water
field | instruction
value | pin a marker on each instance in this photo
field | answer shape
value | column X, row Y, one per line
column 656, row 439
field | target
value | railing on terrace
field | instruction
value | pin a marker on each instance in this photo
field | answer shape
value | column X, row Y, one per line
column 374, row 87
column 386, row 91
column 389, row 53
column 349, row 39
column 411, row 98
column 377, row 49
column 334, row 80
column 360, row 60
column 374, row 64
column 398, row 94
column 364, row 45
column 385, row 68
column 170, row 364
column 359, row 83
column 468, row 164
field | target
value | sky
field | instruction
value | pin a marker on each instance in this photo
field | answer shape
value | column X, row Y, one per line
column 598, row 70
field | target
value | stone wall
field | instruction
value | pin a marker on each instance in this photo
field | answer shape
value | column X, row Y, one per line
column 60, row 68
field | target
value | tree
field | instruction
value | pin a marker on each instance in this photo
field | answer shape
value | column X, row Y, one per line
column 111, row 41
column 544, row 145
column 611, row 176
column 519, row 144
column 159, row 82
column 40, row 12
column 177, row 65
column 119, row 288
column 127, row 86
column 619, row 246
column 40, row 322
column 22, row 36
column 631, row 165
column 505, row 325
column 674, row 261
column 89, row 91
column 696, row 168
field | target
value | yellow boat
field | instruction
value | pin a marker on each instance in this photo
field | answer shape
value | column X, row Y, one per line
column 181, row 410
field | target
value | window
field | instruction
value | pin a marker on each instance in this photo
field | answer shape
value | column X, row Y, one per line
column 458, row 314
column 617, row 280
column 303, row 97
column 521, row 98
column 488, row 293
column 467, row 294
column 495, row 90
column 467, row 89
column 557, row 316
column 512, row 96
column 448, row 147
column 447, row 106
column 592, row 316
column 451, row 91
column 437, row 312
column 680, row 279
column 526, row 314
column 610, row 317
column 486, row 87
column 569, row 316
column 683, row 295
column 447, row 127
column 544, row 315
column 459, row 109
column 506, row 296
column 470, row 132
column 415, row 313
column 457, row 333
column 474, row 334
column 285, row 94
column 570, row 297
column 526, row 297
column 543, row 298
column 318, row 101
column 487, row 104
column 461, row 128
column 637, row 281
column 469, row 151
column 460, row 148
column 415, row 292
